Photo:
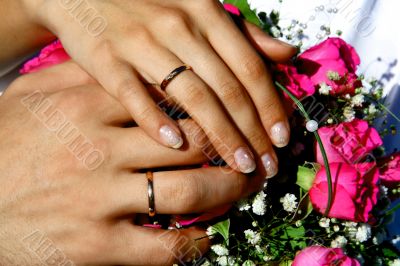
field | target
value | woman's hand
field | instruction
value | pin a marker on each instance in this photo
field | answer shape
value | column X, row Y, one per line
column 71, row 183
column 229, row 94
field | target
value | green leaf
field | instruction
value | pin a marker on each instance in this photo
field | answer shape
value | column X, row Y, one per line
column 305, row 177
column 244, row 7
column 223, row 229
column 390, row 254
column 295, row 232
column 295, row 244
column 285, row 263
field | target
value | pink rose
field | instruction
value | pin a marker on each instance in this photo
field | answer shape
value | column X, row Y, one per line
column 232, row 9
column 390, row 173
column 348, row 142
column 299, row 85
column 321, row 256
column 303, row 76
column 355, row 191
column 332, row 55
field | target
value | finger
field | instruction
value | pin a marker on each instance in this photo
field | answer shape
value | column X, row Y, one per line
column 53, row 79
column 200, row 102
column 248, row 67
column 176, row 192
column 273, row 49
column 121, row 81
column 210, row 68
column 196, row 150
column 135, row 245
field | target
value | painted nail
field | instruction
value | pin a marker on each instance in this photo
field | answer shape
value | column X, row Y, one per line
column 245, row 160
column 280, row 134
column 170, row 137
column 270, row 165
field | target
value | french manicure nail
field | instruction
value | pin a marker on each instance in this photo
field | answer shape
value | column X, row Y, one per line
column 170, row 137
column 280, row 134
column 245, row 160
column 270, row 165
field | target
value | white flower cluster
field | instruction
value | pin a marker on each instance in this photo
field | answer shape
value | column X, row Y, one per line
column 395, row 263
column 357, row 100
column 339, row 242
column 324, row 89
column 289, row 202
column 324, row 222
column 363, row 233
column 220, row 250
column 258, row 205
column 252, row 237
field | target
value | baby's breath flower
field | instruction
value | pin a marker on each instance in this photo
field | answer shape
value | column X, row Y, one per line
column 396, row 262
column 252, row 237
column 267, row 258
column 324, row 89
column 349, row 114
column 358, row 100
column 243, row 205
column 275, row 32
column 220, row 250
column 333, row 75
column 372, row 109
column 248, row 263
column 206, row 263
column 349, row 224
column 336, row 228
column 299, row 223
column 211, row 232
column 222, row 261
column 363, row 233
column 254, row 223
column 329, row 121
column 324, row 222
column 366, row 90
column 258, row 205
column 379, row 238
column 289, row 202
column 339, row 242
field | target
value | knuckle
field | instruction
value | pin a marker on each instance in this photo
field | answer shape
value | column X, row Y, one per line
column 240, row 185
column 232, row 94
column 269, row 109
column 125, row 90
column 257, row 138
column 103, row 47
column 195, row 95
column 195, row 134
column 253, row 68
column 174, row 19
column 207, row 4
column 189, row 192
column 141, row 36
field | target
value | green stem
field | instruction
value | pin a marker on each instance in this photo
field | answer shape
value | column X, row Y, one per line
column 320, row 144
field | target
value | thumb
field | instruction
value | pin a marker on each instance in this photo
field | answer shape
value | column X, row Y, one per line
column 51, row 79
column 273, row 49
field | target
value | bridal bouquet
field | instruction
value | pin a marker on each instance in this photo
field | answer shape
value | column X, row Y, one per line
column 332, row 199
column 330, row 203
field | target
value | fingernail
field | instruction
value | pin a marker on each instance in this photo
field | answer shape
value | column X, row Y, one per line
column 280, row 134
column 245, row 160
column 170, row 137
column 270, row 165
